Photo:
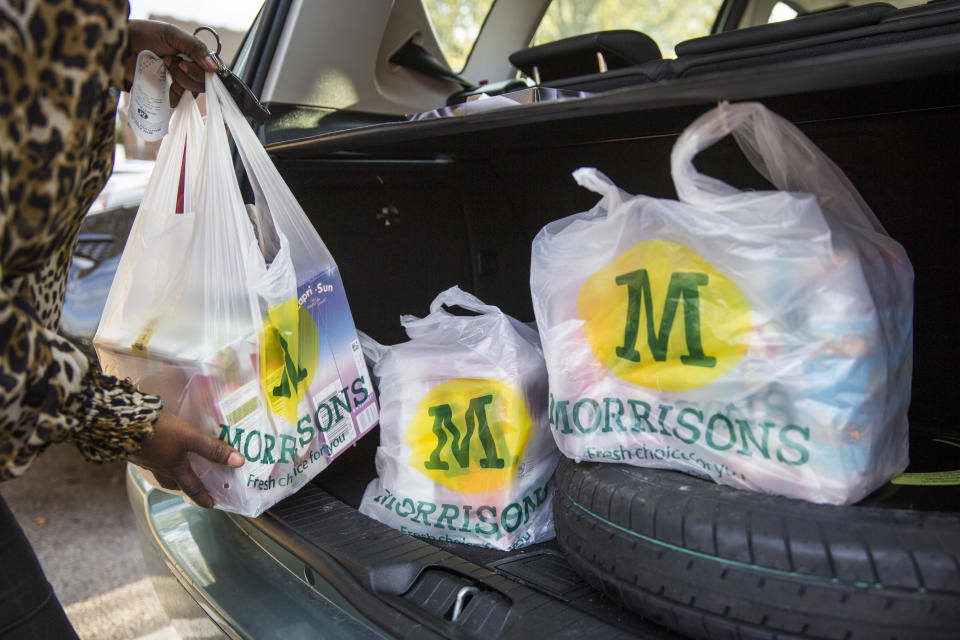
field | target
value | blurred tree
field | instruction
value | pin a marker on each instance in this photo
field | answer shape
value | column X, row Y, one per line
column 666, row 21
column 456, row 23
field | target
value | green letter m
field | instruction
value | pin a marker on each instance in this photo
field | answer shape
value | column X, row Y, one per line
column 475, row 418
column 682, row 285
column 225, row 436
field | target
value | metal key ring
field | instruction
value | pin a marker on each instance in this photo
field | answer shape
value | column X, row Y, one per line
column 214, row 54
column 215, row 35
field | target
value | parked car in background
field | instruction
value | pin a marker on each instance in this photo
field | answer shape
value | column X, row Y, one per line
column 99, row 247
column 382, row 126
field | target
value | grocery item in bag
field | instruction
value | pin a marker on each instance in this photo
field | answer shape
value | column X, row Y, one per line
column 260, row 352
column 465, row 453
column 761, row 339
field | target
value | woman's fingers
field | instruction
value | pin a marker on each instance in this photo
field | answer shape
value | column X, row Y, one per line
column 215, row 450
column 166, row 481
column 176, row 92
column 187, row 74
column 190, row 484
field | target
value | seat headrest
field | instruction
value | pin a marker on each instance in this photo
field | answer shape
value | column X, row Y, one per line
column 577, row 56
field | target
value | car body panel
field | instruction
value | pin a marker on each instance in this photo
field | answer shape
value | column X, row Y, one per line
column 458, row 199
column 246, row 583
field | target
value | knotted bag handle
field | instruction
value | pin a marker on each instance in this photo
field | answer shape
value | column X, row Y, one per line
column 777, row 150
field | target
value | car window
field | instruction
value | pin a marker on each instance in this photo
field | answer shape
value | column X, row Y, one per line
column 668, row 22
column 789, row 9
column 782, row 11
column 456, row 24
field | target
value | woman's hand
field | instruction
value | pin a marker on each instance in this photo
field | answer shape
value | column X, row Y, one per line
column 167, row 41
column 165, row 454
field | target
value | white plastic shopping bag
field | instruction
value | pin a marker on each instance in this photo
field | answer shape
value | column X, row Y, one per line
column 465, row 451
column 236, row 315
column 159, row 224
column 761, row 339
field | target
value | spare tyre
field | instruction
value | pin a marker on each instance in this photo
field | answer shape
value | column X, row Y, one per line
column 710, row 561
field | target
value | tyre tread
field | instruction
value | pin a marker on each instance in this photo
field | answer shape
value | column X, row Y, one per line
column 710, row 592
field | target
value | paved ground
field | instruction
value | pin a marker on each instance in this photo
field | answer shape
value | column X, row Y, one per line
column 78, row 519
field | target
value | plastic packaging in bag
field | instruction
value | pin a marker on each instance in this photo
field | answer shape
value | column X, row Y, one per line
column 760, row 339
column 259, row 352
column 465, row 452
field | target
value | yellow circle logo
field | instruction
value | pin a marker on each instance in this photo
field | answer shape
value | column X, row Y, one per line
column 468, row 434
column 661, row 317
column 289, row 349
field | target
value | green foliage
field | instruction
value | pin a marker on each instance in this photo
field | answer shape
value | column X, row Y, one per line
column 666, row 21
column 456, row 24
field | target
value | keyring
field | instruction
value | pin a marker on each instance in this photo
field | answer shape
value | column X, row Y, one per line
column 214, row 54
column 215, row 35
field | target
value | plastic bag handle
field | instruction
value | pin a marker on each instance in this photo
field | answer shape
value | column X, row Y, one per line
column 277, row 281
column 457, row 297
column 181, row 147
column 178, row 157
column 777, row 150
column 216, row 153
column 269, row 188
column 249, row 147
column 186, row 121
column 373, row 350
column 598, row 182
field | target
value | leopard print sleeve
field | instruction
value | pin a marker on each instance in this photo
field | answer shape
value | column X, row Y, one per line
column 116, row 417
column 50, row 393
column 59, row 62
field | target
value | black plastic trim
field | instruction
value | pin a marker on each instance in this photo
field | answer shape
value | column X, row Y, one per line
column 374, row 566
column 799, row 27
column 729, row 16
column 265, row 44
column 290, row 122
column 905, row 61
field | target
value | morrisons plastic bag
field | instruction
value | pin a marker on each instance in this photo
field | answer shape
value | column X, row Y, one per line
column 236, row 315
column 761, row 339
column 465, row 453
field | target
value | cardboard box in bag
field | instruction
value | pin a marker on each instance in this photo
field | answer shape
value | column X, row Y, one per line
column 290, row 395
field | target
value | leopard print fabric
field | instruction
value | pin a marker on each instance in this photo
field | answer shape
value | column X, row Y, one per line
column 59, row 62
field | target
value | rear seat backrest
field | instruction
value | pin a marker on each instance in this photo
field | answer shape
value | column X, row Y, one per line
column 578, row 55
column 833, row 32
column 801, row 27
column 825, row 33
